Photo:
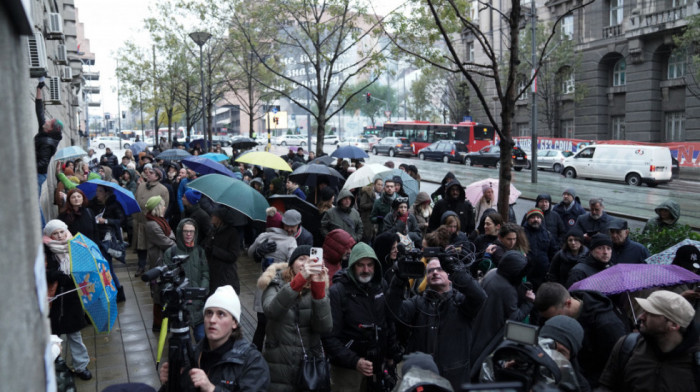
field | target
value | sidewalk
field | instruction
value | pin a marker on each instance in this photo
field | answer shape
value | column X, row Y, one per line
column 129, row 352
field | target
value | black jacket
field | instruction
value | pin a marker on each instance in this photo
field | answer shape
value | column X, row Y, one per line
column 441, row 325
column 66, row 313
column 562, row 263
column 552, row 220
column 82, row 222
column 592, row 226
column 355, row 307
column 585, row 268
column 461, row 206
column 203, row 221
column 222, row 247
column 630, row 252
column 111, row 211
column 45, row 143
column 543, row 246
column 602, row 328
column 109, row 160
column 503, row 303
column 569, row 215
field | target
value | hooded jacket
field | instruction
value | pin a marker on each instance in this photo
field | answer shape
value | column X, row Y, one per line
column 380, row 210
column 365, row 203
column 422, row 220
column 285, row 244
column 45, row 143
column 195, row 267
column 336, row 243
column 442, row 324
column 355, row 306
column 503, row 303
column 393, row 223
column 222, row 246
column 458, row 237
column 462, row 207
column 602, row 328
column 440, row 191
column 202, row 218
column 562, row 263
column 551, row 220
column 655, row 223
column 570, row 213
column 585, row 268
column 543, row 246
column 338, row 218
column 285, row 308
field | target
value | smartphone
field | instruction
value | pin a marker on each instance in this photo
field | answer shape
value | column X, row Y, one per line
column 317, row 254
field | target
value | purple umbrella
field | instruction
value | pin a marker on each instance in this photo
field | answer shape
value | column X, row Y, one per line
column 622, row 278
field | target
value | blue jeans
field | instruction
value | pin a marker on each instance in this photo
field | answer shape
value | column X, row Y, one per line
column 78, row 351
column 41, row 179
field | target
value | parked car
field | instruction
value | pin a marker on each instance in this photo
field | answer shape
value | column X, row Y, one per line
column 224, row 140
column 331, row 139
column 291, row 140
column 112, row 142
column 552, row 159
column 633, row 164
column 491, row 156
column 393, row 146
column 359, row 142
column 446, row 151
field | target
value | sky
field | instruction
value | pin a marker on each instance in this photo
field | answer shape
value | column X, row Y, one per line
column 110, row 23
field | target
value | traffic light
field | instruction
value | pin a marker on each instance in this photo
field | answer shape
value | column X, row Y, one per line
column 369, row 97
column 276, row 120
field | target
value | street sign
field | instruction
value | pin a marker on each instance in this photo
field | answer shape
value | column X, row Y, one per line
column 275, row 110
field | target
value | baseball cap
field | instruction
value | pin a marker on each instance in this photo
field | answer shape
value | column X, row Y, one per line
column 670, row 305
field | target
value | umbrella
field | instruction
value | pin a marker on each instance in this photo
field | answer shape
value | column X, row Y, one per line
column 67, row 153
column 667, row 256
column 350, row 152
column 264, row 159
column 474, row 192
column 90, row 272
column 310, row 218
column 173, row 154
column 124, row 196
column 204, row 165
column 622, row 278
column 309, row 174
column 232, row 193
column 324, row 160
column 364, row 175
column 199, row 142
column 137, row 147
column 243, row 143
column 216, row 156
column 410, row 185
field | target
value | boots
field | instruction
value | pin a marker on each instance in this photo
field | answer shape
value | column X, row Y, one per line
column 120, row 294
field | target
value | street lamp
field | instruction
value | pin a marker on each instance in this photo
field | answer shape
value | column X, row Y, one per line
column 143, row 130
column 200, row 38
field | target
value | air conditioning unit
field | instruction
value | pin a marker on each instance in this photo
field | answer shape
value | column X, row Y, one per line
column 66, row 74
column 61, row 55
column 74, row 101
column 54, row 96
column 36, row 51
column 54, row 26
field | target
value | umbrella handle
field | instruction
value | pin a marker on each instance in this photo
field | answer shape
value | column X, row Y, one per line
column 51, row 299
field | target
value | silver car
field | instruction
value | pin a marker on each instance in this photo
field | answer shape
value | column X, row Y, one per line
column 552, row 159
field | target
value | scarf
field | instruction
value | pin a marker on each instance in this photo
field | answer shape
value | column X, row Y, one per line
column 162, row 223
column 60, row 250
column 402, row 218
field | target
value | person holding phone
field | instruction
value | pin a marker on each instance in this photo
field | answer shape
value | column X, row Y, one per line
column 298, row 312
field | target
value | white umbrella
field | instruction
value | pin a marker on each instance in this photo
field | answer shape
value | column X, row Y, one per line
column 364, row 175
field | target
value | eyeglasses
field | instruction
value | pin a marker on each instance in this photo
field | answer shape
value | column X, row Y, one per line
column 436, row 269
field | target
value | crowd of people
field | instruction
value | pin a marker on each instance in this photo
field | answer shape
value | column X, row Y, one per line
column 346, row 292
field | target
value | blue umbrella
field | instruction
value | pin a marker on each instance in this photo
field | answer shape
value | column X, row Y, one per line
column 215, row 156
column 124, row 196
column 137, row 147
column 350, row 152
column 71, row 152
column 206, row 166
column 173, row 154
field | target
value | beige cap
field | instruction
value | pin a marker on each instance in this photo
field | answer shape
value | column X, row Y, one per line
column 670, row 305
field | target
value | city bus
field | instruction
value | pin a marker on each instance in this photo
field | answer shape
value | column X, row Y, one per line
column 423, row 133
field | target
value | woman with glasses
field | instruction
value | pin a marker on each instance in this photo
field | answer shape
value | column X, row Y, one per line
column 403, row 222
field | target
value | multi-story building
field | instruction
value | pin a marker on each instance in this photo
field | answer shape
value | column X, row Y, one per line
column 637, row 85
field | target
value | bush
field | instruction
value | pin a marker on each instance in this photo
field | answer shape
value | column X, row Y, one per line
column 659, row 240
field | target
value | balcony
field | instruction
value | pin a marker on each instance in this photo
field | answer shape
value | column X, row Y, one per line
column 612, row 31
column 652, row 22
column 92, row 103
column 92, row 89
column 91, row 75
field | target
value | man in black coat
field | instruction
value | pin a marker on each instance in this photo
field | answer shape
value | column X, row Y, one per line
column 109, row 159
column 222, row 247
column 291, row 223
column 552, row 220
column 595, row 221
column 454, row 201
column 597, row 260
column 596, row 314
column 625, row 250
column 47, row 139
column 440, row 320
column 543, row 246
column 569, row 209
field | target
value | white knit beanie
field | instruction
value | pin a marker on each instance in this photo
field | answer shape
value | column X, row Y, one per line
column 225, row 298
column 54, row 225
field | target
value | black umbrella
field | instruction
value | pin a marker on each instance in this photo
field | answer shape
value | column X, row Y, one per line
column 310, row 218
column 311, row 173
column 324, row 160
column 243, row 143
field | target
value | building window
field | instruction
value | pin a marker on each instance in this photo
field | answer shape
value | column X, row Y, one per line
column 618, row 128
column 675, row 126
column 522, row 87
column 619, row 73
column 523, row 129
column 678, row 3
column 568, row 84
column 567, row 129
column 470, row 51
column 616, row 12
column 474, row 11
column 676, row 64
column 567, row 27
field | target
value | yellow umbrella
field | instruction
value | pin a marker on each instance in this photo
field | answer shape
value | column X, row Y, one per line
column 264, row 159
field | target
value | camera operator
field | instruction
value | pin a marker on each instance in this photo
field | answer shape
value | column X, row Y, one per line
column 225, row 360
column 440, row 320
column 361, row 338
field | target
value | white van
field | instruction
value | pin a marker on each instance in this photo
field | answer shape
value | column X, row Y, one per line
column 633, row 164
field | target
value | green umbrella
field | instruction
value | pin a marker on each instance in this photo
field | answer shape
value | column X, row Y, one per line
column 232, row 193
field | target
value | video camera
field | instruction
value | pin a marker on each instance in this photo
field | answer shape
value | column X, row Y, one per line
column 384, row 377
column 173, row 283
column 410, row 266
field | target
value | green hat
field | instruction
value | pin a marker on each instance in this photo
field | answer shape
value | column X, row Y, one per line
column 153, row 202
column 94, row 176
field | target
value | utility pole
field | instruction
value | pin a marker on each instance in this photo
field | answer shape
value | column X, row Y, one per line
column 533, row 120
column 119, row 111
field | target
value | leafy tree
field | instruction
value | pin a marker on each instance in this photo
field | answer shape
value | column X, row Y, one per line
column 687, row 43
column 433, row 31
column 657, row 241
column 382, row 98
